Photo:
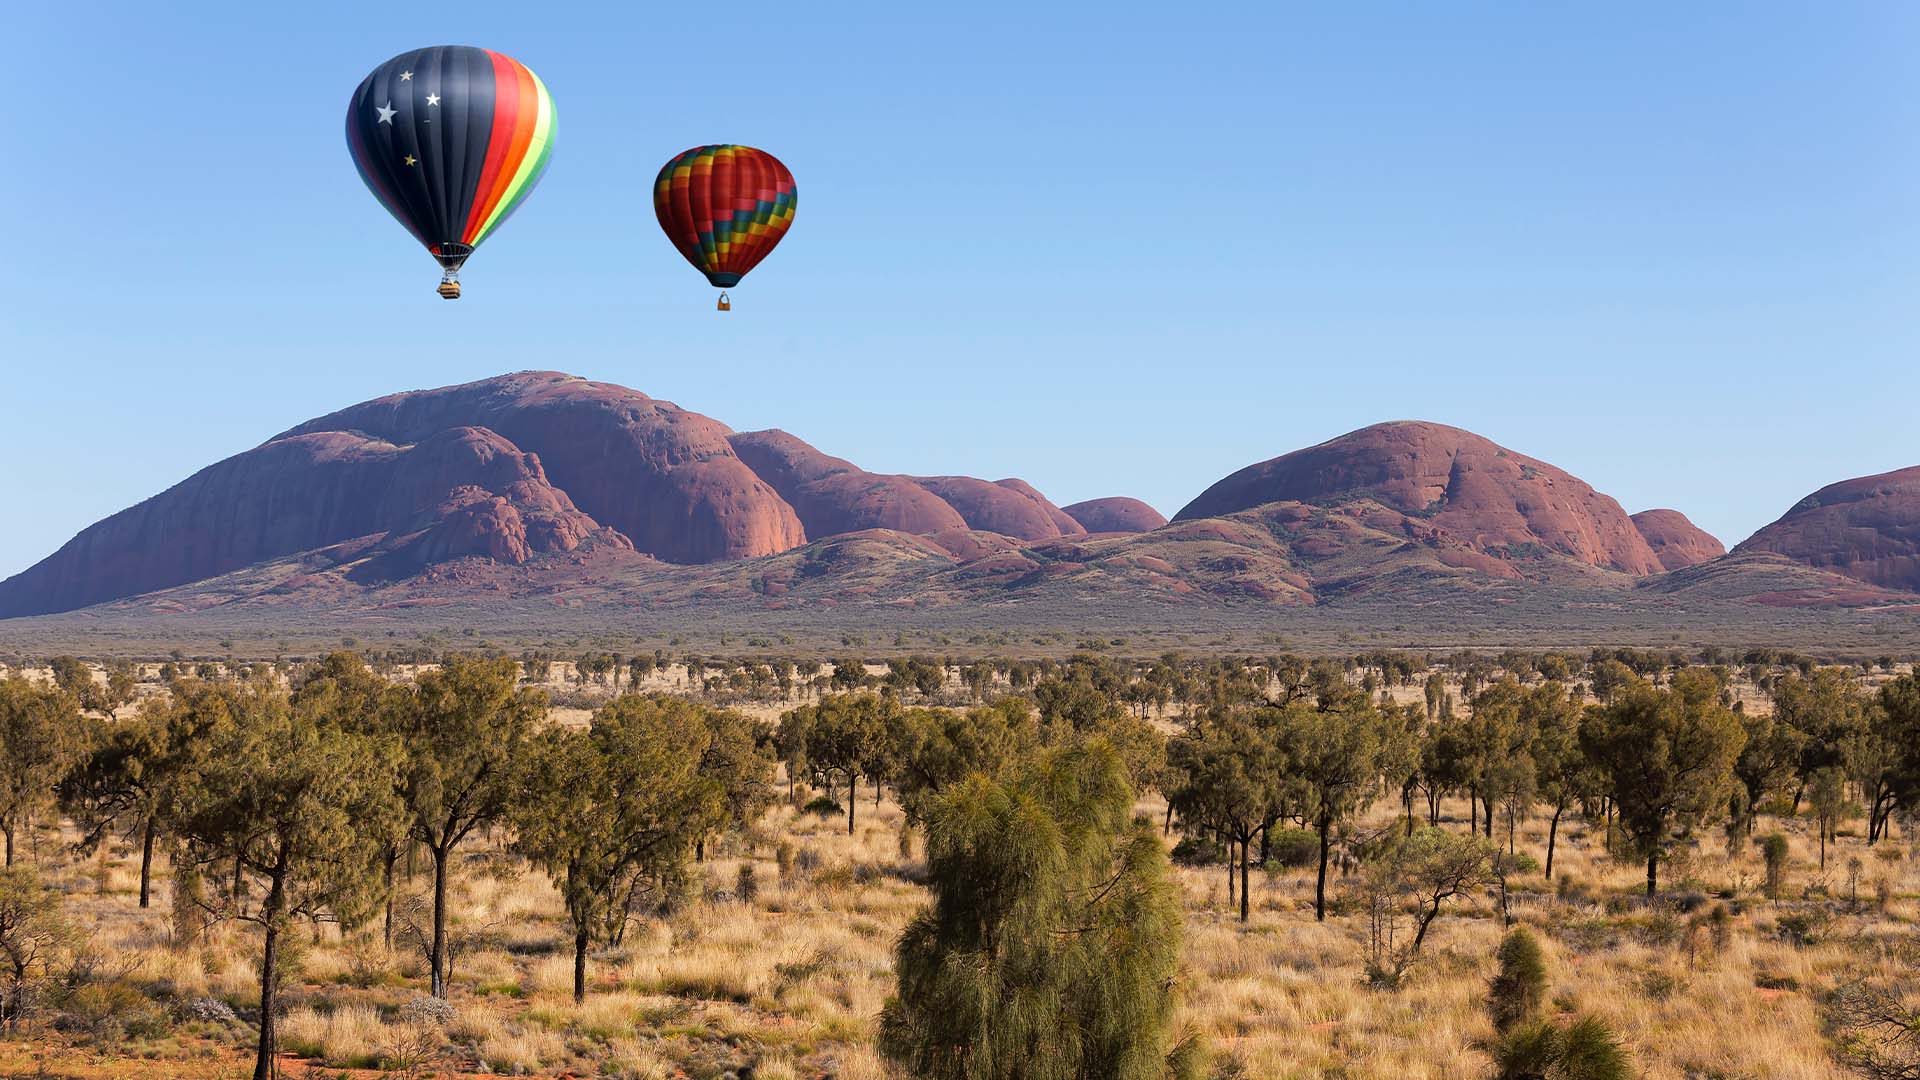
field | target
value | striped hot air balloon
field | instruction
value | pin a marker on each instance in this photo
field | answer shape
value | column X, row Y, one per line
column 451, row 140
column 724, row 207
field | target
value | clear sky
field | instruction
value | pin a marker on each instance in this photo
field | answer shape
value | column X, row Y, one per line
column 1668, row 247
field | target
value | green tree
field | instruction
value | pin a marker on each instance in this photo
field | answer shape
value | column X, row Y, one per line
column 40, row 738
column 610, row 812
column 1053, row 936
column 1334, row 755
column 32, row 932
column 303, row 809
column 846, row 737
column 1231, row 780
column 1560, row 763
column 1667, row 755
column 462, row 730
column 1827, row 791
column 123, row 783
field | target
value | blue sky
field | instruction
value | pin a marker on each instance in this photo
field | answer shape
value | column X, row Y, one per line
column 1670, row 248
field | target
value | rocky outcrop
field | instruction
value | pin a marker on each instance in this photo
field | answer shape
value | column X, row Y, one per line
column 1677, row 542
column 666, row 478
column 462, row 490
column 1867, row 529
column 1453, row 484
column 1117, row 514
column 1010, row 507
column 834, row 496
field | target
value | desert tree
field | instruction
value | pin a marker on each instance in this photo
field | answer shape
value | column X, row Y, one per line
column 1231, row 780
column 1827, row 793
column 1334, row 755
column 1051, row 944
column 1564, row 775
column 1414, row 875
column 845, row 737
column 462, row 729
column 1500, row 729
column 1767, row 763
column 343, row 691
column 611, row 812
column 945, row 746
column 121, row 785
column 1667, row 756
column 1896, row 786
column 301, row 807
column 41, row 736
column 33, row 930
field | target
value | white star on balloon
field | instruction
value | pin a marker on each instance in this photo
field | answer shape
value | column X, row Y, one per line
column 406, row 76
column 386, row 112
column 433, row 99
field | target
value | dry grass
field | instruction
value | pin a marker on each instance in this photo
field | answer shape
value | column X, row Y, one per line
column 793, row 982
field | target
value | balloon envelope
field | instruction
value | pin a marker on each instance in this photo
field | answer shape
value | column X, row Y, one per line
column 724, row 207
column 451, row 140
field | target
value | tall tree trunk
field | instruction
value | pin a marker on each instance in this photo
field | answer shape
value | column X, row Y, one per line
column 579, row 964
column 1166, row 825
column 853, row 798
column 9, row 831
column 1553, row 831
column 438, row 983
column 1653, row 873
column 1473, row 812
column 269, row 980
column 1243, row 881
column 1320, row 883
column 146, row 860
column 393, row 860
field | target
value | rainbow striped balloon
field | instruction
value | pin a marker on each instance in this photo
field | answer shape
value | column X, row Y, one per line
column 724, row 207
column 451, row 140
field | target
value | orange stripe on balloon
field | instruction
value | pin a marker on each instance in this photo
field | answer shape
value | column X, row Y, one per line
column 515, row 114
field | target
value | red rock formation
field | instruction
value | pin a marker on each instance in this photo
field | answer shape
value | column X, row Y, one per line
column 462, row 490
column 834, row 496
column 666, row 478
column 1060, row 518
column 1866, row 528
column 1116, row 515
column 1677, row 542
column 1005, row 508
column 1454, row 482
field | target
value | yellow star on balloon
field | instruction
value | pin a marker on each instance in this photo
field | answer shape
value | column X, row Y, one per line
column 409, row 159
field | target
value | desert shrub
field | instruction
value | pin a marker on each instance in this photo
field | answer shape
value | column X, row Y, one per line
column 784, row 857
column 822, row 806
column 1521, row 983
column 1294, row 849
column 110, row 1011
column 746, row 886
column 1586, row 1049
column 1802, row 928
column 1774, row 850
column 1196, row 851
column 209, row 1010
column 426, row 1011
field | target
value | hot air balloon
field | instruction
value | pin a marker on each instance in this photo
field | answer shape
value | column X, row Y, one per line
column 451, row 140
column 724, row 207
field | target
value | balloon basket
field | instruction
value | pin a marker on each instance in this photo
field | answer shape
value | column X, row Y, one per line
column 725, row 303
column 449, row 290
